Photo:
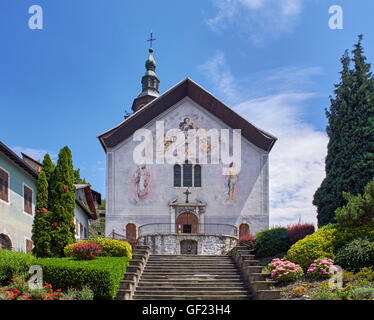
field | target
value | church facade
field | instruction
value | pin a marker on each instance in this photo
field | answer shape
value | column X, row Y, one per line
column 203, row 201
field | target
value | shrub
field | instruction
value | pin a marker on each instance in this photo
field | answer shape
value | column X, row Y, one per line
column 282, row 271
column 86, row 251
column 322, row 269
column 360, row 293
column 355, row 255
column 314, row 246
column 324, row 294
column 271, row 242
column 102, row 275
column 299, row 231
column 247, row 241
column 110, row 248
column 14, row 263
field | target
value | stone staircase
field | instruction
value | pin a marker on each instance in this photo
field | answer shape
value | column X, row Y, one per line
column 194, row 277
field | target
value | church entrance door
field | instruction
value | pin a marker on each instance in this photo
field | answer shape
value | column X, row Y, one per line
column 187, row 223
column 188, row 247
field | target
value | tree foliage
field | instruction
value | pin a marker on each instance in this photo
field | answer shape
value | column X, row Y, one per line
column 350, row 156
column 41, row 225
column 63, row 203
column 359, row 209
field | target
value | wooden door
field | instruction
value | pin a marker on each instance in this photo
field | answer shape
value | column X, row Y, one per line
column 187, row 223
column 131, row 231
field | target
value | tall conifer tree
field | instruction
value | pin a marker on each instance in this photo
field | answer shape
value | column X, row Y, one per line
column 350, row 154
column 63, row 203
column 42, row 226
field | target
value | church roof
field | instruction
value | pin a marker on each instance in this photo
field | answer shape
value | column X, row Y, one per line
column 186, row 88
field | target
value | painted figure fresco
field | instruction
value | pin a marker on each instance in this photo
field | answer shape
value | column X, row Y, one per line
column 142, row 180
column 232, row 179
column 186, row 125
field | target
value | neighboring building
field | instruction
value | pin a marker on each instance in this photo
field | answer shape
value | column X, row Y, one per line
column 36, row 165
column 18, row 182
column 187, row 207
column 86, row 209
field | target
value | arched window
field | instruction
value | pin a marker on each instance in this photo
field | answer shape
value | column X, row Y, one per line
column 197, row 176
column 187, row 175
column 177, row 176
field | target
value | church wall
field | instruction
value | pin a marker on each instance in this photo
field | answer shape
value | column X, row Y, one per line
column 250, row 202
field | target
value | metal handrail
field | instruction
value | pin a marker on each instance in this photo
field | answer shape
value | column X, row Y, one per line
column 202, row 228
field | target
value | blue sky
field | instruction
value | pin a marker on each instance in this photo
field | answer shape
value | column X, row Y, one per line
column 273, row 61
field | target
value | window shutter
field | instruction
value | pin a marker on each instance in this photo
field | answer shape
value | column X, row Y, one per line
column 27, row 195
column 4, row 187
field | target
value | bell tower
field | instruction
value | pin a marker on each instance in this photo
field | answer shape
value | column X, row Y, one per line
column 150, row 82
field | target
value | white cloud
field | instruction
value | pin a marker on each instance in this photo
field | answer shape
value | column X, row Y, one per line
column 256, row 18
column 36, row 154
column 298, row 157
column 219, row 74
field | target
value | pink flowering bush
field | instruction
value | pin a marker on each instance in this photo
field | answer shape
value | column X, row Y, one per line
column 322, row 268
column 282, row 270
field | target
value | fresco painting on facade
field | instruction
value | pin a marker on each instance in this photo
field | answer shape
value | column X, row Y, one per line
column 232, row 179
column 142, row 182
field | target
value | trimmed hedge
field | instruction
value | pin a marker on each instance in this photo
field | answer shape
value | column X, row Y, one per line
column 102, row 275
column 271, row 242
column 111, row 248
column 14, row 263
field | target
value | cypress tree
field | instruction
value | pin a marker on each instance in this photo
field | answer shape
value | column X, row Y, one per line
column 63, row 203
column 41, row 226
column 350, row 151
column 48, row 166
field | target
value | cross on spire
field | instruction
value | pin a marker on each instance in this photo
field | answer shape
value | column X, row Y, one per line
column 151, row 39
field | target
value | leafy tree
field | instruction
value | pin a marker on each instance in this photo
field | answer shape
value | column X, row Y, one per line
column 41, row 227
column 48, row 166
column 359, row 209
column 78, row 179
column 350, row 155
column 63, row 203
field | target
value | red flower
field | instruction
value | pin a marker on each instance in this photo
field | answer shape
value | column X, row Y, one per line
column 58, row 290
column 11, row 298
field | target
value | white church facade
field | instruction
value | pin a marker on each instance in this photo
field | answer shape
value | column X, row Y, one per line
column 191, row 206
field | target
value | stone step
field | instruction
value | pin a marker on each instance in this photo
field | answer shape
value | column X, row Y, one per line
column 196, row 288
column 181, row 256
column 203, row 272
column 254, row 269
column 268, row 294
column 155, row 276
column 140, row 292
column 187, row 267
column 191, row 297
column 262, row 285
column 185, row 284
column 257, row 276
column 188, row 262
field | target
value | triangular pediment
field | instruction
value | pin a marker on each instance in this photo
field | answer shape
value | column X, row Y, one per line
column 186, row 88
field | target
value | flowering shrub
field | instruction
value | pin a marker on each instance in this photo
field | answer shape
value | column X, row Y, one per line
column 110, row 247
column 247, row 240
column 282, row 270
column 87, row 251
column 321, row 269
column 299, row 231
column 19, row 290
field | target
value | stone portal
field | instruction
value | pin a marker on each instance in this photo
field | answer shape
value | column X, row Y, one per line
column 188, row 247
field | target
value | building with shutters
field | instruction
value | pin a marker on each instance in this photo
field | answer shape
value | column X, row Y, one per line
column 189, row 206
column 18, row 181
